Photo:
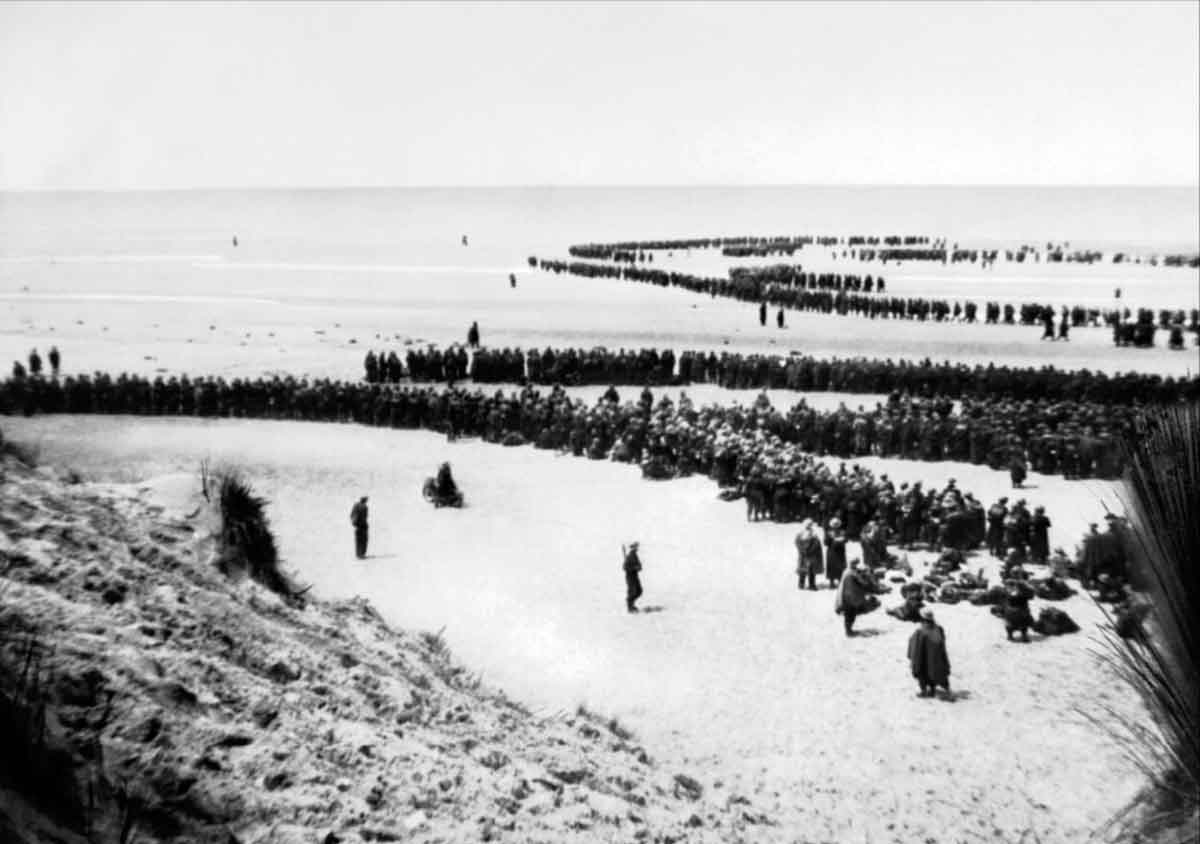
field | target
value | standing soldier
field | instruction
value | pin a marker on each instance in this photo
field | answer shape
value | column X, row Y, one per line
column 633, row 580
column 779, row 318
column 473, row 335
column 927, row 656
column 762, row 313
column 358, row 518
column 1039, row 535
column 810, row 558
column 995, row 534
column 35, row 363
column 54, row 360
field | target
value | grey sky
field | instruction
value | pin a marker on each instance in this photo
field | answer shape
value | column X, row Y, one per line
column 133, row 96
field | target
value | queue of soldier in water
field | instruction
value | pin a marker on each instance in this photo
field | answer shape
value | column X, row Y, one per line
column 845, row 294
column 884, row 248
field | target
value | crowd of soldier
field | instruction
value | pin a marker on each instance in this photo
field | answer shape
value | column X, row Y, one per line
column 1077, row 440
column 622, row 367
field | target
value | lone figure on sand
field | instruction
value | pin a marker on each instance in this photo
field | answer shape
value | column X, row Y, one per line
column 927, row 656
column 473, row 336
column 633, row 579
column 358, row 518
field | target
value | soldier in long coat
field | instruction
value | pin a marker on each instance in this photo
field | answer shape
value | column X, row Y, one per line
column 835, row 556
column 633, row 580
column 927, row 655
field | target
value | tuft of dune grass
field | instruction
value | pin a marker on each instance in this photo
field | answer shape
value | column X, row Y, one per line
column 1161, row 493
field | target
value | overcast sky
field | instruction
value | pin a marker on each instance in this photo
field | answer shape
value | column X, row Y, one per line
column 152, row 96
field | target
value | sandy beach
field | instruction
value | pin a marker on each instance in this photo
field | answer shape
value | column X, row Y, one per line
column 738, row 674
column 243, row 321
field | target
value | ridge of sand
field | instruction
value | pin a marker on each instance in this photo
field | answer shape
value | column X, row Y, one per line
column 232, row 716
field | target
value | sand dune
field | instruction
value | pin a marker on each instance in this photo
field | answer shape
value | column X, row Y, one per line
column 739, row 675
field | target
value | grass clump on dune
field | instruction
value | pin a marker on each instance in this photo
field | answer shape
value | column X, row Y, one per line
column 246, row 540
column 1162, row 497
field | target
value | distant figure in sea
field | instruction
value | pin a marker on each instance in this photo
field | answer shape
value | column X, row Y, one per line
column 512, row 279
column 464, row 240
column 358, row 518
column 779, row 318
column 927, row 656
column 235, row 240
column 35, row 363
column 633, row 580
column 55, row 360
column 1064, row 328
column 473, row 336
column 762, row 313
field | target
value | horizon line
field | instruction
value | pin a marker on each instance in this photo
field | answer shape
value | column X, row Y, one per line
column 594, row 186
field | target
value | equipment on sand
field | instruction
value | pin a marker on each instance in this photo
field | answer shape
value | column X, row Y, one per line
column 430, row 491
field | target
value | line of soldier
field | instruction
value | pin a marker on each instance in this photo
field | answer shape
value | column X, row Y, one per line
column 35, row 364
column 731, row 444
column 642, row 250
column 750, row 284
column 896, row 248
column 623, row 367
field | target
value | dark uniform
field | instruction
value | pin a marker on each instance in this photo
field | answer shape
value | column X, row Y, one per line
column 633, row 579
column 358, row 518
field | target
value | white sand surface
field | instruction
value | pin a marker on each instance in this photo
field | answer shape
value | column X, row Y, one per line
column 235, row 319
column 738, row 679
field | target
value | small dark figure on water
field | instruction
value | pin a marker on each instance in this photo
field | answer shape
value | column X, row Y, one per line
column 1064, row 329
column 927, row 656
column 464, row 240
column 633, row 578
column 55, row 360
column 779, row 318
column 762, row 314
column 235, row 240
column 473, row 336
column 358, row 518
column 512, row 279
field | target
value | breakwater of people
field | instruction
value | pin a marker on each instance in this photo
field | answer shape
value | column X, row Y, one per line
column 849, row 294
column 888, row 248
